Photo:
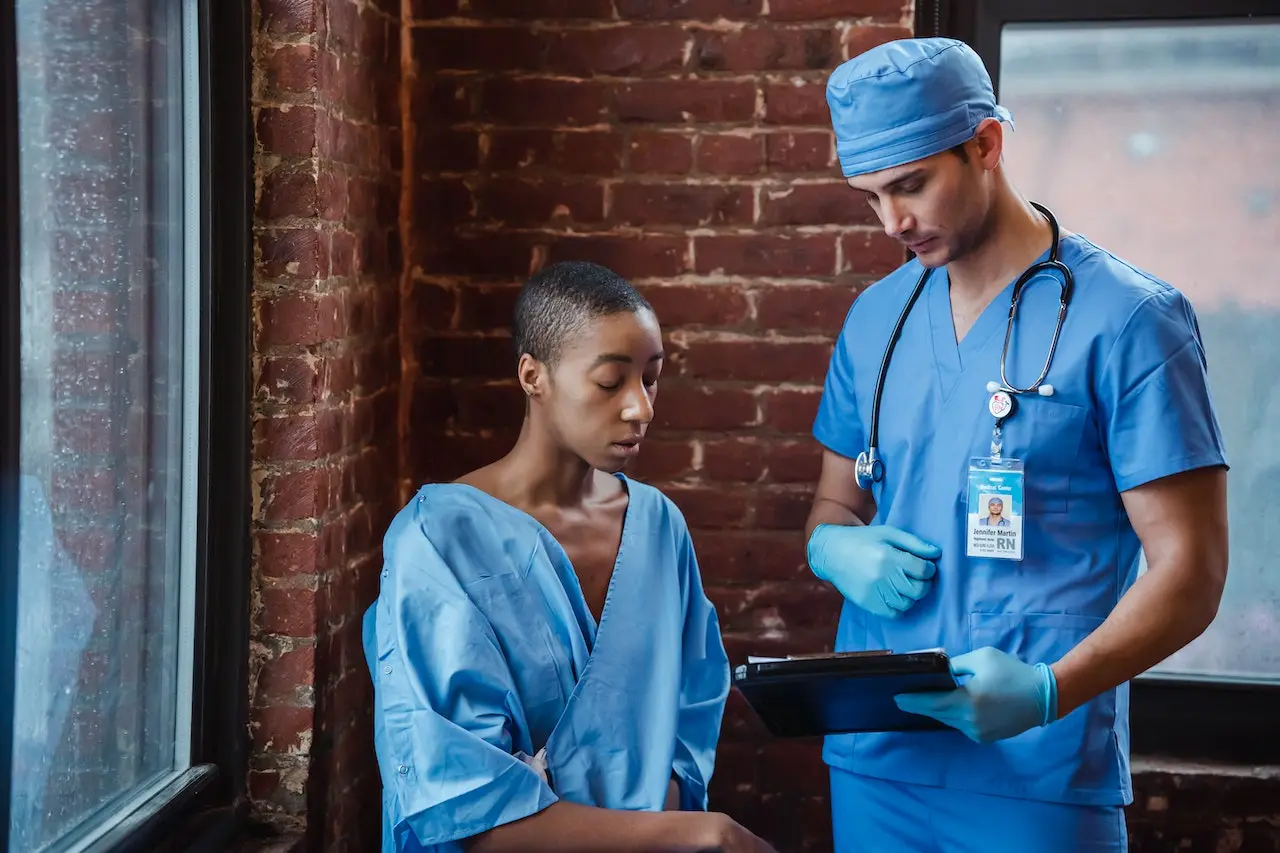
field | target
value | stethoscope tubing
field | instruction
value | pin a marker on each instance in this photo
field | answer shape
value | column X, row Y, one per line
column 869, row 468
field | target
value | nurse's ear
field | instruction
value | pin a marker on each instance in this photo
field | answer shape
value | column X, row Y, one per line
column 532, row 375
column 988, row 143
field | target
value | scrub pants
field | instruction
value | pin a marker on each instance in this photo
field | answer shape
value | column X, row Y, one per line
column 879, row 816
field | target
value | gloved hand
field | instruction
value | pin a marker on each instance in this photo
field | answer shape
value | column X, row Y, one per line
column 1004, row 697
column 881, row 569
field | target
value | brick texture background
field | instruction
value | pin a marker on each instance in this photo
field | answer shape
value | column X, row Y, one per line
column 326, row 378
column 416, row 160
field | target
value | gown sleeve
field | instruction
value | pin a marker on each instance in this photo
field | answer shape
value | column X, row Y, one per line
column 1157, row 415
column 704, row 686
column 445, row 705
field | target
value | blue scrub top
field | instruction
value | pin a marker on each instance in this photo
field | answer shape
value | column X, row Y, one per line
column 1131, row 405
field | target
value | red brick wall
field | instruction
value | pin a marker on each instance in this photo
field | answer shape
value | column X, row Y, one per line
column 326, row 372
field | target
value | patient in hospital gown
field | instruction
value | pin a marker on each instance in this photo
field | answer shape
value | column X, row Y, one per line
column 548, row 672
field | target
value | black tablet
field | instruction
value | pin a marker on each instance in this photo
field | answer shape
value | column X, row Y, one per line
column 843, row 692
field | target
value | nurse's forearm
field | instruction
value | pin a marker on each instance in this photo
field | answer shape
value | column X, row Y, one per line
column 838, row 500
column 829, row 512
column 565, row 827
column 1182, row 524
column 1161, row 613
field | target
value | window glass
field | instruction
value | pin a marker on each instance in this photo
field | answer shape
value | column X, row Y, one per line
column 109, row 350
column 1161, row 143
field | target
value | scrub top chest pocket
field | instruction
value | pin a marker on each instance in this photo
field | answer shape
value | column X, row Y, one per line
column 1044, row 434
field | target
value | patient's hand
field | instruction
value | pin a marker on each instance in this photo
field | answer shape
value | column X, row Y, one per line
column 728, row 836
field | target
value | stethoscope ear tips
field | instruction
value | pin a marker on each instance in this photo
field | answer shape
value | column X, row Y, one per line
column 1045, row 390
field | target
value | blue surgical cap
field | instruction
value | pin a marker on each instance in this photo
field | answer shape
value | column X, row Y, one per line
column 906, row 100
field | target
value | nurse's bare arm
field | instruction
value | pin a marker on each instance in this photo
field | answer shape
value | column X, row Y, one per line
column 565, row 827
column 838, row 499
column 1182, row 523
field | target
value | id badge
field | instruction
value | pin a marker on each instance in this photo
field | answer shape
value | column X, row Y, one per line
column 995, row 508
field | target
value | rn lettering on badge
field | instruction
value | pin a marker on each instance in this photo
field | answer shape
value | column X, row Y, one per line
column 1003, row 543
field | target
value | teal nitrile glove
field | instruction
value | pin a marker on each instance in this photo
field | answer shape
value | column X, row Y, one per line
column 1004, row 697
column 881, row 569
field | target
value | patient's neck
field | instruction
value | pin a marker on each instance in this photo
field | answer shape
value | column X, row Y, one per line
column 538, row 472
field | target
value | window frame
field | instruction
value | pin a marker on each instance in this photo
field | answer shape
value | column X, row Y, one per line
column 10, row 376
column 1184, row 718
column 207, row 805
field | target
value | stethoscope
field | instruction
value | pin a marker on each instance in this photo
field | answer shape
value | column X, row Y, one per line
column 868, row 468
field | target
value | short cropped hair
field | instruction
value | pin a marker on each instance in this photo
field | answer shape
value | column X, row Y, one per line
column 561, row 299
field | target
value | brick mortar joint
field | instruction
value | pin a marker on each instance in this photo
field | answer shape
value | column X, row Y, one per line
column 275, row 468
column 323, row 350
column 297, row 164
column 753, row 387
column 309, row 525
column 717, row 25
column 281, row 411
column 264, row 648
column 261, row 703
column 683, row 336
column 269, row 286
column 334, row 109
column 689, row 76
column 263, row 636
column 462, row 283
column 783, row 232
column 262, row 524
column 785, row 186
column 673, row 128
column 291, row 223
column 266, row 407
column 273, row 757
column 273, row 99
column 684, row 130
column 308, row 582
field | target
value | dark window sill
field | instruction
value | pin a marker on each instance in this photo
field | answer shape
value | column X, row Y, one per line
column 1158, row 765
column 287, row 843
column 175, row 812
column 1185, row 721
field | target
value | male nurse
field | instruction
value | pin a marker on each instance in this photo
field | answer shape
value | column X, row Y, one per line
column 1093, row 424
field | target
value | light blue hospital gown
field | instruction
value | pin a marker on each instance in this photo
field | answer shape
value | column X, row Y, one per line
column 496, row 693
column 1131, row 405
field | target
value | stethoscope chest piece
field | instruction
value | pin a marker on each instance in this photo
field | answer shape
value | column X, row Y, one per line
column 868, row 469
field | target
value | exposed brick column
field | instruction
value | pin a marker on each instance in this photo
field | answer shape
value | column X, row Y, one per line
column 686, row 145
column 326, row 370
